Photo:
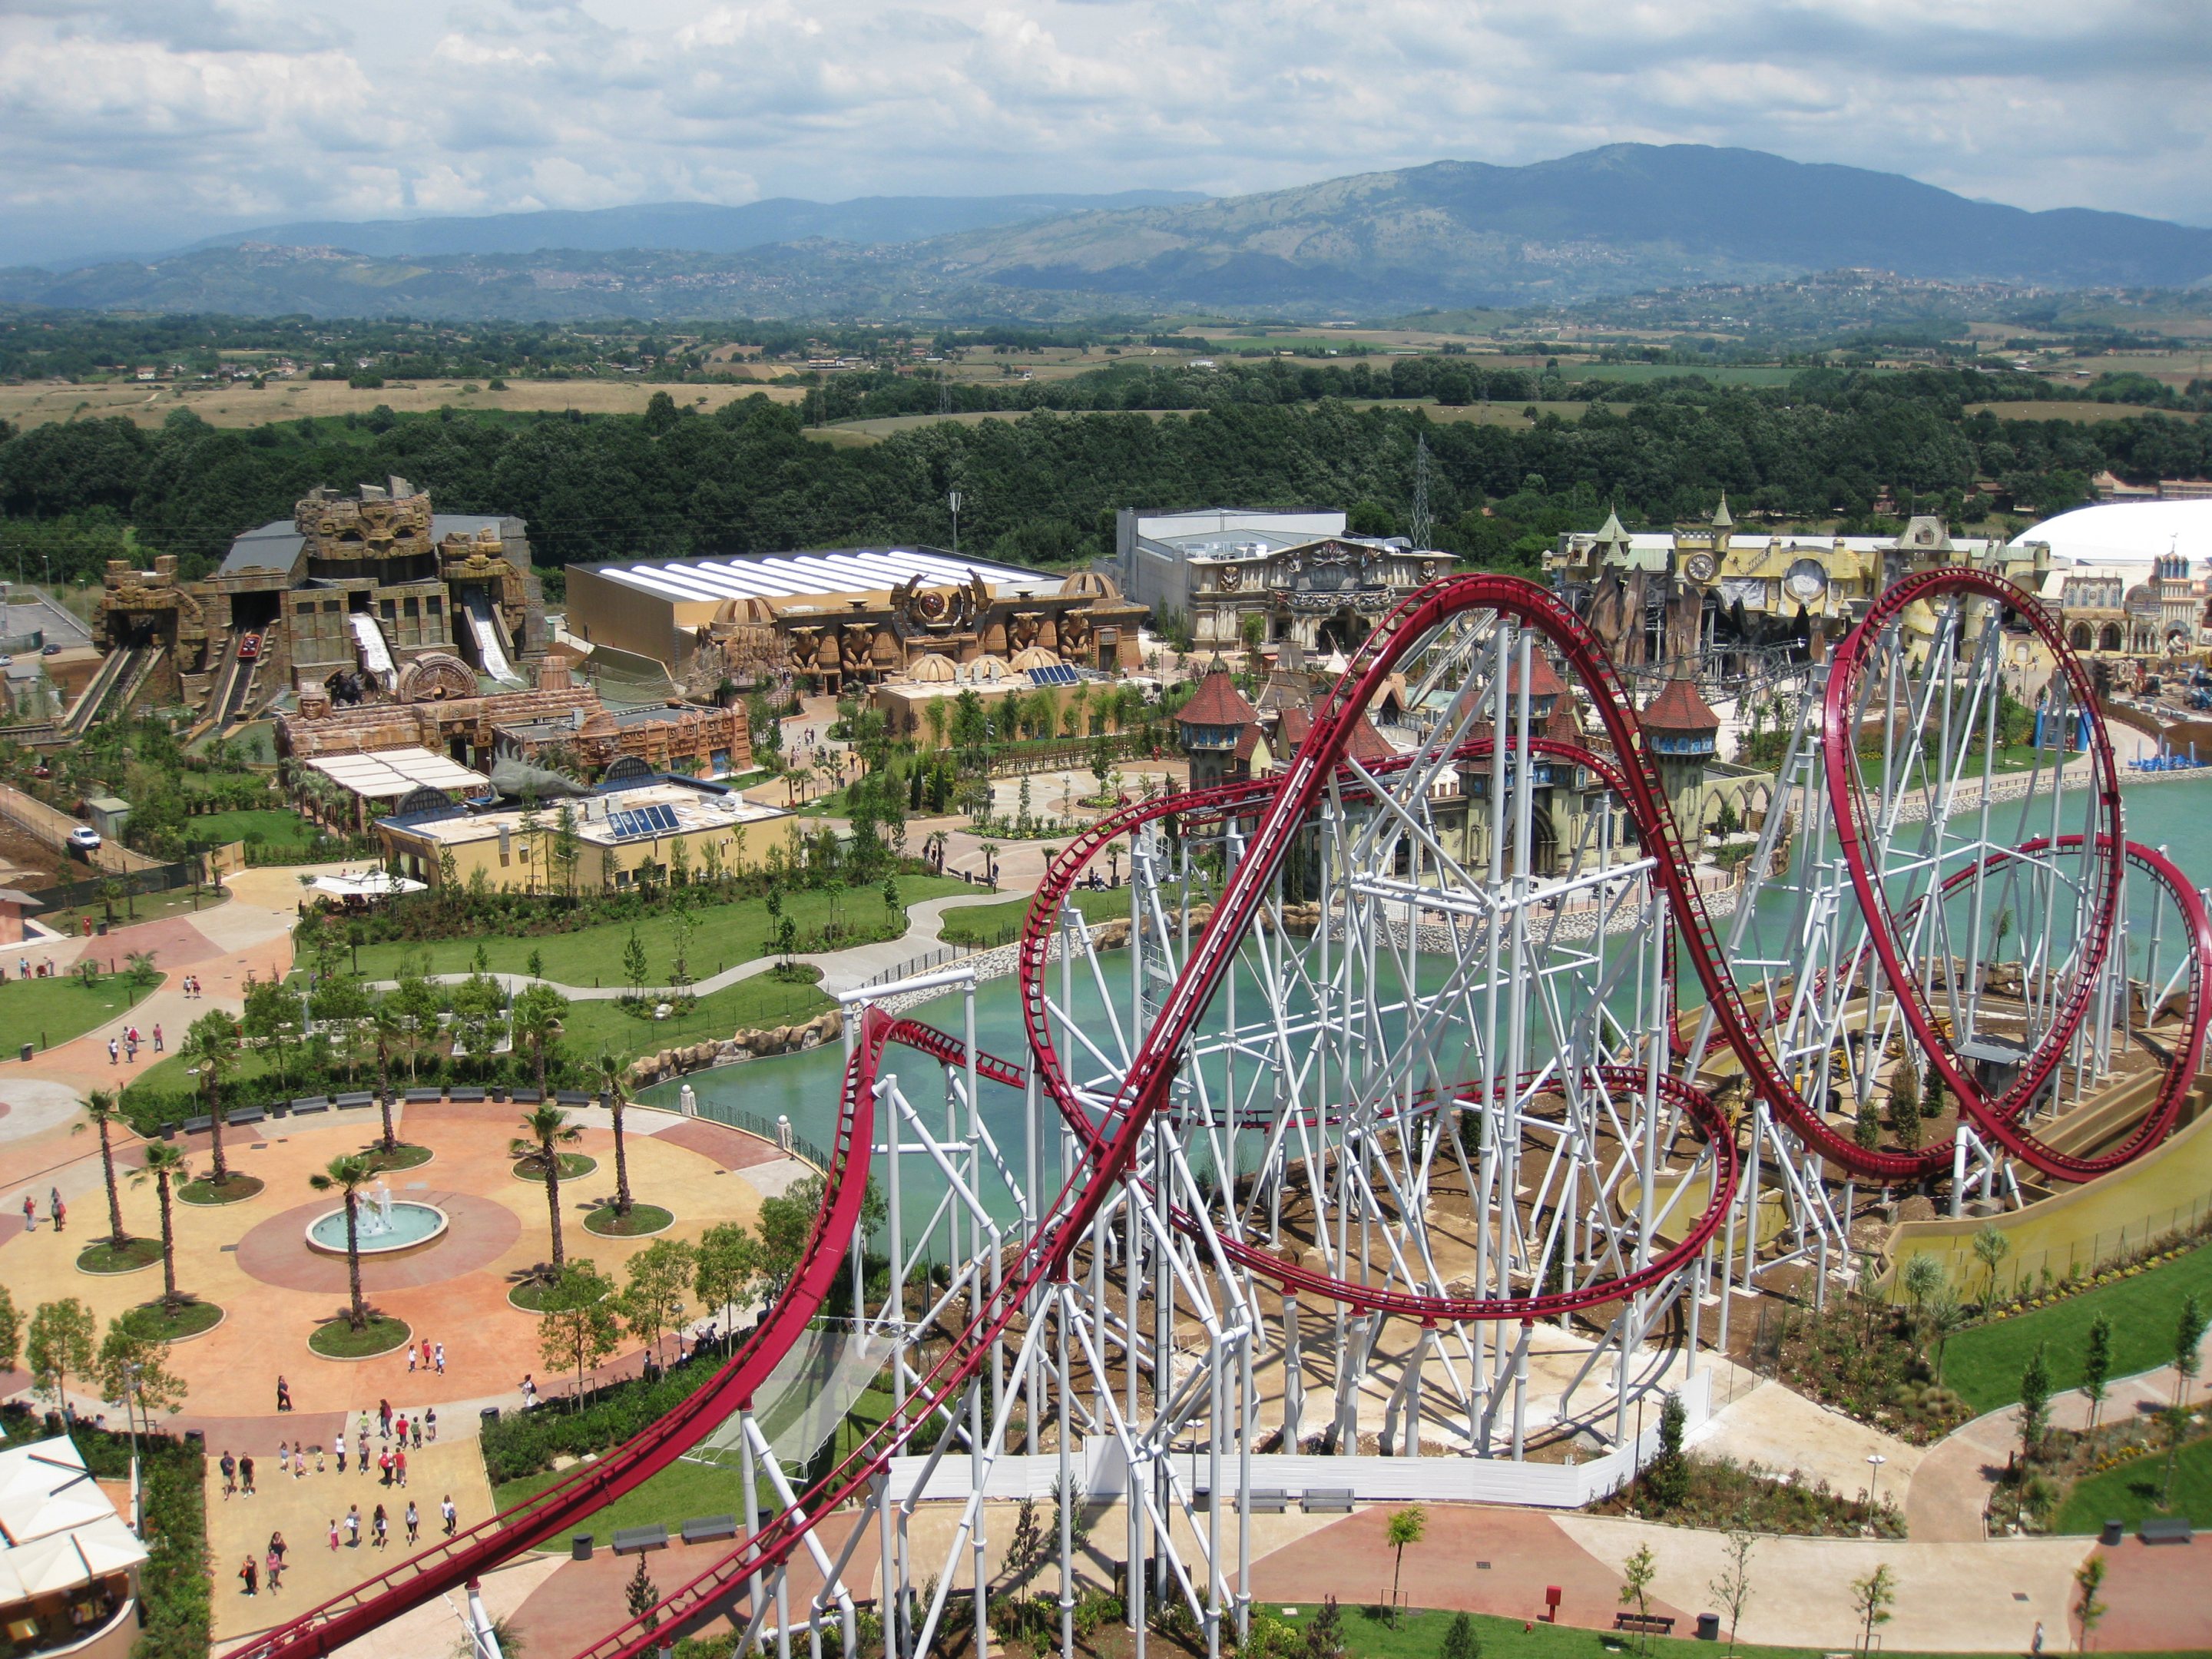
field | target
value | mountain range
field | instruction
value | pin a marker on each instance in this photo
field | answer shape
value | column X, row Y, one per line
column 1620, row 219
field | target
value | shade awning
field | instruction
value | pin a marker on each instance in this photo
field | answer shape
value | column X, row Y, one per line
column 374, row 884
column 388, row 774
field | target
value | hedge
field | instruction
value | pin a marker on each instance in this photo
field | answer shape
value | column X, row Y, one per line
column 526, row 1443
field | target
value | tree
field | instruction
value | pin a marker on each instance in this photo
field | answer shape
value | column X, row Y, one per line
column 62, row 1344
column 567, row 843
column 2188, row 1338
column 547, row 1130
column 729, row 1267
column 786, row 1223
column 342, row 1006
column 640, row 1595
column 1923, row 1278
column 165, row 1166
column 414, row 1001
column 1905, row 1095
column 1405, row 1527
column 273, row 1021
column 2097, row 1364
column 102, row 1107
column 635, row 967
column 609, row 1066
column 1638, row 1573
column 2034, row 1402
column 479, row 1019
column 11, row 1331
column 210, row 1047
column 1460, row 1640
column 2089, row 1612
column 653, row 1301
column 132, row 1365
column 578, row 1328
column 387, row 1030
column 1667, row 1478
column 1992, row 1244
column 347, row 1177
column 1872, row 1597
column 1732, row 1589
column 1867, row 1131
column 538, row 1022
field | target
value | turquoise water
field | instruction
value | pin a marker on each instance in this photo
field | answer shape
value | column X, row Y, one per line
column 805, row 1087
column 410, row 1224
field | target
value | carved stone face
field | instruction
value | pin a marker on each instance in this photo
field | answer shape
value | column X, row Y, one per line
column 374, row 529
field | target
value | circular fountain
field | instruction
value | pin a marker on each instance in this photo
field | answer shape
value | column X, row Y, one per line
column 381, row 1227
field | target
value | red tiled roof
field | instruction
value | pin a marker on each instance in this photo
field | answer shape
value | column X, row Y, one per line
column 1678, row 707
column 1366, row 745
column 1543, row 681
column 1218, row 702
column 1292, row 729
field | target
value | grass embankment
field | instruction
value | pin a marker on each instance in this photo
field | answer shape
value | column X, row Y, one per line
column 270, row 825
column 987, row 925
column 44, row 1011
column 1984, row 1363
column 684, row 1492
column 131, row 911
column 2131, row 1491
column 722, row 936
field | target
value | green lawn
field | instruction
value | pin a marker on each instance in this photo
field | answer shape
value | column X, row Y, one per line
column 759, row 1001
column 723, row 935
column 273, row 824
column 1985, row 1364
column 44, row 1011
column 987, row 924
column 135, row 908
column 2131, row 1491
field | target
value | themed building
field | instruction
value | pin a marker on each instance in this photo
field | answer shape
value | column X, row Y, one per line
column 2128, row 577
column 1306, row 582
column 845, row 618
column 343, row 596
column 69, row 1562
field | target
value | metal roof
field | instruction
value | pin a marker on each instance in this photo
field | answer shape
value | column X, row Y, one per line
column 389, row 774
column 797, row 575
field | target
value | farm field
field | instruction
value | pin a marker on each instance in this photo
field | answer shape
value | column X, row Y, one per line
column 2037, row 409
column 38, row 403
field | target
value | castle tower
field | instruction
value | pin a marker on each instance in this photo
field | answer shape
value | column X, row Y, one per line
column 1684, row 736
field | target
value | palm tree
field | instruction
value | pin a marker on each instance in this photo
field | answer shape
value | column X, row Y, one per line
column 935, row 841
column 537, row 1021
column 347, row 1174
column 102, row 1108
column 211, row 1046
column 609, row 1067
column 388, row 1026
column 165, row 1167
column 549, row 1130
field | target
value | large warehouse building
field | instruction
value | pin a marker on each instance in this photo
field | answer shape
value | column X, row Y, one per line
column 846, row 616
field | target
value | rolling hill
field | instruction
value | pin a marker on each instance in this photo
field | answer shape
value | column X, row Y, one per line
column 1622, row 219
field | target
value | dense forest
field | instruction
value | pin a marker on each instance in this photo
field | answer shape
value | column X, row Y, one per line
column 1043, row 488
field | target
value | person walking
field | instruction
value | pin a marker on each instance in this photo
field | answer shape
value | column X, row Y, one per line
column 384, row 1467
column 283, row 1458
column 399, row 1427
column 379, row 1526
column 364, row 1445
column 414, row 1521
column 30, row 1213
column 246, row 1474
column 410, row 1359
column 248, row 1574
column 283, row 1394
column 446, row 1513
column 430, row 1421
column 318, row 1460
column 334, row 1535
column 54, row 1205
column 131, row 1046
column 399, row 1465
column 278, row 1546
column 342, row 1451
column 157, row 1036
column 275, row 1567
column 228, row 1465
column 442, row 1359
column 353, row 1526
column 2037, row 1647
column 418, row 1434
column 384, row 1419
column 114, row 1052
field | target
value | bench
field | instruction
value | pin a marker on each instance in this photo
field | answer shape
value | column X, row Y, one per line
column 198, row 1126
column 527, row 1097
column 424, row 1096
column 571, row 1097
column 708, row 1527
column 1267, row 1500
column 467, row 1096
column 244, row 1115
column 1644, row 1624
column 302, row 1107
column 347, row 1102
column 2165, row 1529
column 636, row 1541
column 1327, row 1500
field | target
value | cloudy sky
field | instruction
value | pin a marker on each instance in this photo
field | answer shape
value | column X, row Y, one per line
column 136, row 124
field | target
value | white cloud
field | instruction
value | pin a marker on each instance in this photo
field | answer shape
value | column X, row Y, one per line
column 141, row 123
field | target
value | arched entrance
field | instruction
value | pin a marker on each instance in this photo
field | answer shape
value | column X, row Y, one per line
column 1342, row 632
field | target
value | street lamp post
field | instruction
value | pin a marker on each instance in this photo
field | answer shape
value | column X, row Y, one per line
column 954, row 499
column 1873, row 1484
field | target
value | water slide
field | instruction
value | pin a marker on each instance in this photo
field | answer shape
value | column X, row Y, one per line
column 124, row 670
column 375, row 655
column 490, row 655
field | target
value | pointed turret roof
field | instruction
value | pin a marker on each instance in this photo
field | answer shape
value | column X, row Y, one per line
column 1721, row 520
column 1680, row 708
column 1610, row 534
column 1218, row 702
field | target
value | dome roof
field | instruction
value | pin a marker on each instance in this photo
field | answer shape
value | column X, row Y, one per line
column 2126, row 532
column 987, row 668
column 1090, row 585
column 935, row 669
column 1035, row 657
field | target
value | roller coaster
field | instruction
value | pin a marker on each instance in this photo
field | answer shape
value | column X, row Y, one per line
column 1373, row 1066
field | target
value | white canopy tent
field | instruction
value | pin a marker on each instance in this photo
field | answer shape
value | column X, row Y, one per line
column 370, row 884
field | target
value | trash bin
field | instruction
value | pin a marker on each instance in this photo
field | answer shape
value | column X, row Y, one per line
column 1709, row 1627
column 2114, row 1532
column 27, row 1053
column 490, row 1413
column 580, row 1547
column 101, row 930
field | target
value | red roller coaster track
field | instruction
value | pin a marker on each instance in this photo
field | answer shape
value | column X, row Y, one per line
column 1282, row 804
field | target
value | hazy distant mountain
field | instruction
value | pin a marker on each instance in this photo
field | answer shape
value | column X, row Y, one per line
column 691, row 227
column 1626, row 218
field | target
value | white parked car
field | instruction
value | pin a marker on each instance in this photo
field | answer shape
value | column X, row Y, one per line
column 84, row 838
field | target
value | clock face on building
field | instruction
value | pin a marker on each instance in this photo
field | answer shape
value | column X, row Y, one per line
column 1700, row 567
column 1806, row 581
